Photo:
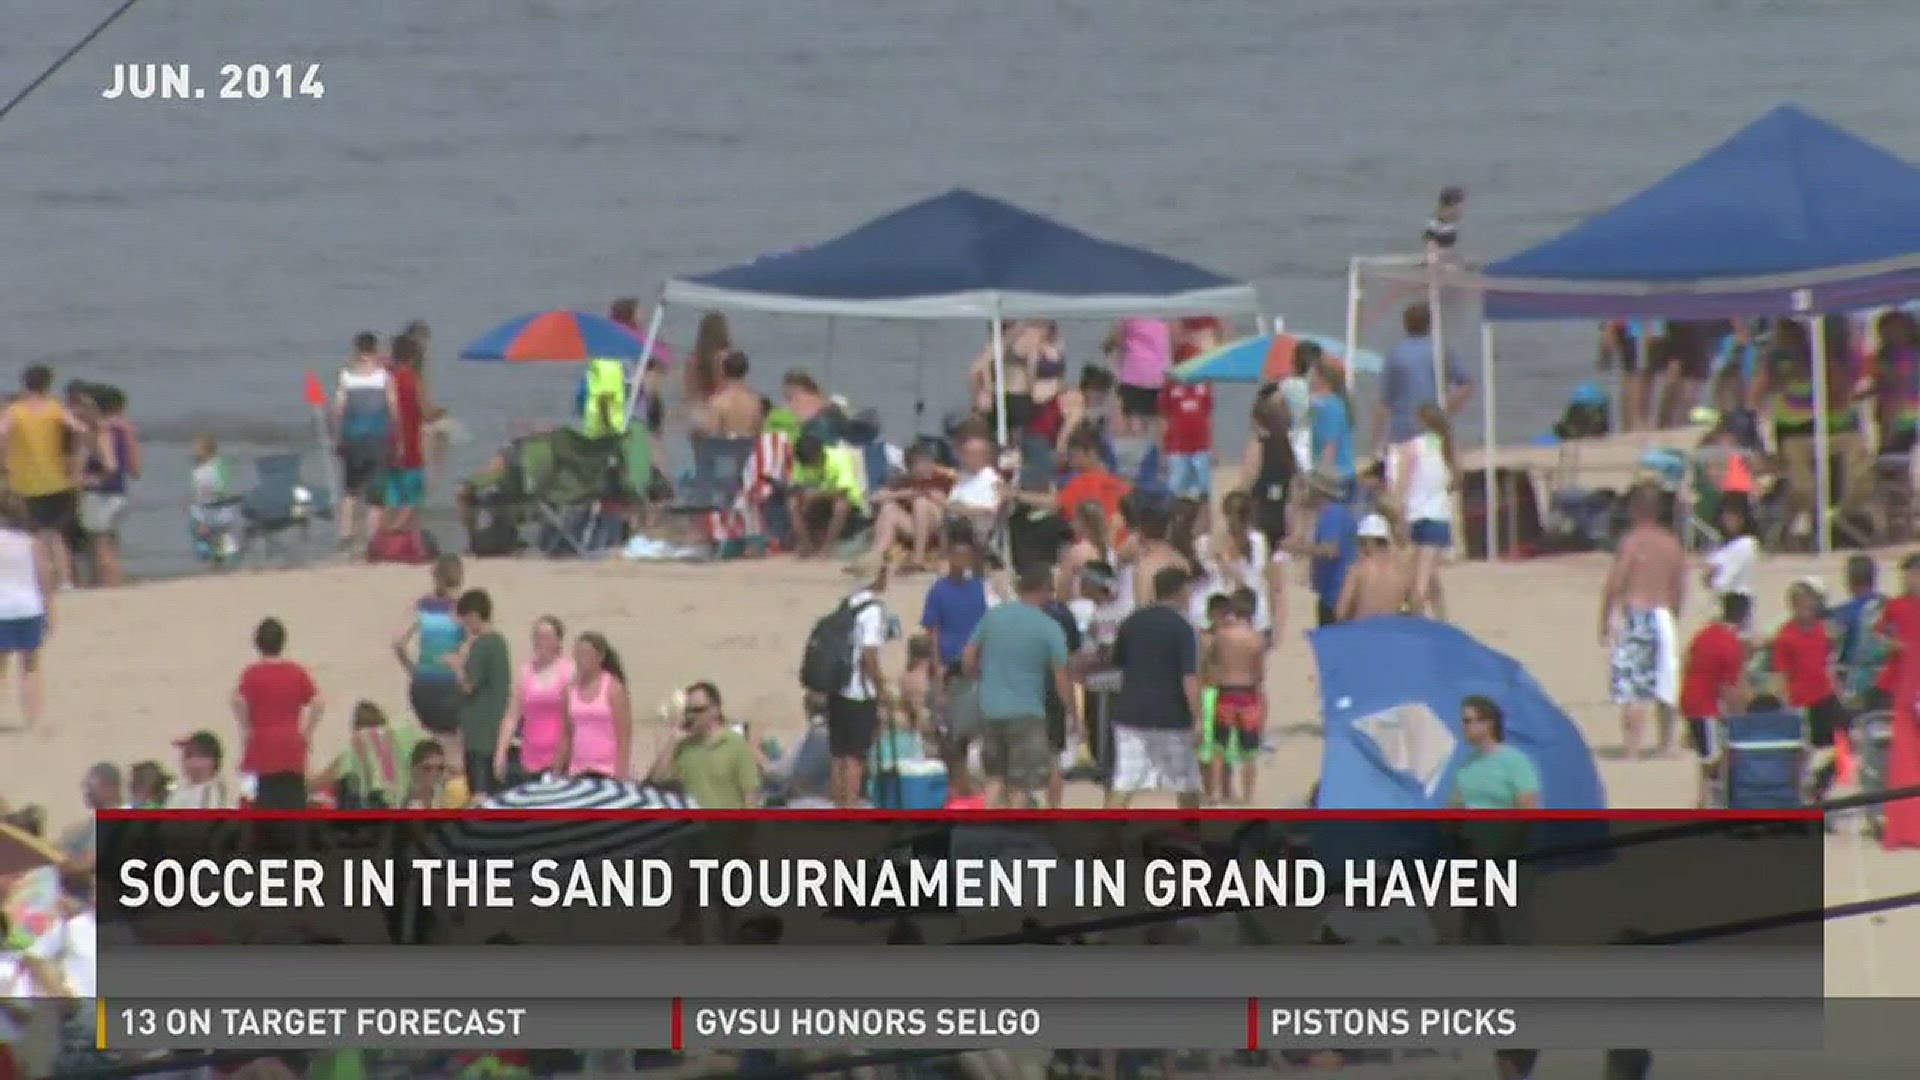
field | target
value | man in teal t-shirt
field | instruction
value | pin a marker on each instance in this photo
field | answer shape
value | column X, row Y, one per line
column 1496, row 777
column 1016, row 650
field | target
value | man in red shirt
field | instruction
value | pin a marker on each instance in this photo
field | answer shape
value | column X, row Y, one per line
column 278, row 707
column 1186, row 438
column 1712, row 687
column 407, row 482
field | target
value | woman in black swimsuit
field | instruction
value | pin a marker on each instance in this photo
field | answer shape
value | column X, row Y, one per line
column 1270, row 466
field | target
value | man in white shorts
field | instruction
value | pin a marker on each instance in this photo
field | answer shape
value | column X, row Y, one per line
column 1158, row 707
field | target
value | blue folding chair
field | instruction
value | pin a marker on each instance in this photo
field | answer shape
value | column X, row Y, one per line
column 1766, row 761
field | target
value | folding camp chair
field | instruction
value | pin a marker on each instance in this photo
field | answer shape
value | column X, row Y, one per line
column 568, row 480
column 719, row 473
column 279, row 505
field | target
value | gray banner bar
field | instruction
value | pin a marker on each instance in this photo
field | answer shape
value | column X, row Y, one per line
column 897, row 1024
column 439, row 1024
column 987, row 972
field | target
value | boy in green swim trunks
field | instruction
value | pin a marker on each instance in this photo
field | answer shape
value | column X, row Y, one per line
column 1218, row 607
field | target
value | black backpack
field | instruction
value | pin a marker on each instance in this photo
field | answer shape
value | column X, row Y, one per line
column 827, row 665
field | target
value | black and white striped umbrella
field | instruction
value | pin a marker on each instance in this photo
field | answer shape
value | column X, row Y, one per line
column 655, row 827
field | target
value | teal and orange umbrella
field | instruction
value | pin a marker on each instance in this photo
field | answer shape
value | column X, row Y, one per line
column 1268, row 358
column 558, row 337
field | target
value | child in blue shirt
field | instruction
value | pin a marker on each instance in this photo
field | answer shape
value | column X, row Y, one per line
column 1336, row 542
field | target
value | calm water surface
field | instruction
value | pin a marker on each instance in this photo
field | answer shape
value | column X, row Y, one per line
column 474, row 160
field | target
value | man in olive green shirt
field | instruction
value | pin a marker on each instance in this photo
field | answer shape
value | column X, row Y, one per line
column 713, row 762
column 486, row 684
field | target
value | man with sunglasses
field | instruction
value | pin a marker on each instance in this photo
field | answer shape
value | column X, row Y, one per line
column 708, row 758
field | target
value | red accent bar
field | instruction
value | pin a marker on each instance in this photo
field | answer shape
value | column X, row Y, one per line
column 1253, row 1023
column 964, row 816
column 679, row 1025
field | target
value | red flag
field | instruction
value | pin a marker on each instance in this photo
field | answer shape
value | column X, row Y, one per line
column 316, row 395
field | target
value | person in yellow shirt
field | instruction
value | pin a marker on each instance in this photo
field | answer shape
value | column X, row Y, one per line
column 39, row 449
column 826, row 493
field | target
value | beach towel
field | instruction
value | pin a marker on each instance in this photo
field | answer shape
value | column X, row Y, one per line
column 762, row 478
column 1645, row 665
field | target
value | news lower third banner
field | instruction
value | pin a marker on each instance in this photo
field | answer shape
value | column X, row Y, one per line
column 913, row 935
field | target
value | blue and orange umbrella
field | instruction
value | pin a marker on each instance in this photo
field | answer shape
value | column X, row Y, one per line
column 558, row 337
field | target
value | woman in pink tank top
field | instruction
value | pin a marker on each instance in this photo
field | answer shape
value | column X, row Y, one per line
column 599, row 714
column 540, row 718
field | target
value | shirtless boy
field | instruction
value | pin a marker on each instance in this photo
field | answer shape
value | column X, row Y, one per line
column 1639, row 619
column 734, row 410
column 1237, row 661
column 1381, row 582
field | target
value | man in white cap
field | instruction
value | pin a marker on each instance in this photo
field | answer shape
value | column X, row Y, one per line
column 1381, row 582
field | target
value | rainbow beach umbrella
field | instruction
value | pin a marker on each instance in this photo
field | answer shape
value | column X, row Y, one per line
column 556, row 337
column 1268, row 358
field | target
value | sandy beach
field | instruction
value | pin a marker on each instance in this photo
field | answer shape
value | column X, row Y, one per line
column 131, row 670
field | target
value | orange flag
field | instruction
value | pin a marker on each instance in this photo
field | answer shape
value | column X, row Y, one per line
column 316, row 395
column 1739, row 479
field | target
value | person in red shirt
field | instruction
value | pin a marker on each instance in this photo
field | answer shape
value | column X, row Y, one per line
column 1900, row 625
column 1803, row 657
column 1186, row 438
column 1711, row 688
column 1091, row 481
column 407, row 481
column 278, row 707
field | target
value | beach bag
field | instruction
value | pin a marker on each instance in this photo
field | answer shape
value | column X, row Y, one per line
column 826, row 667
column 412, row 546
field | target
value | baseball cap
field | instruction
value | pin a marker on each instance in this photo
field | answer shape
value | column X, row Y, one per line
column 1374, row 527
column 200, row 744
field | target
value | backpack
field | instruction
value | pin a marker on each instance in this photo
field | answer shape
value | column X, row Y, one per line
column 827, row 665
column 410, row 545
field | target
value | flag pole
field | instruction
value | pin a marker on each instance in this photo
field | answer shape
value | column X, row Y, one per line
column 317, row 405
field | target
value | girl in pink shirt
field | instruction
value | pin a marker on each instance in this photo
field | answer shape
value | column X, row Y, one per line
column 540, row 721
column 599, row 714
column 1141, row 351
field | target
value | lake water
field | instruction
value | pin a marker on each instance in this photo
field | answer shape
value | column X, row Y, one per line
column 474, row 160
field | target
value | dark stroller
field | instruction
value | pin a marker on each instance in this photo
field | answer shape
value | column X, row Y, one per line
column 279, row 510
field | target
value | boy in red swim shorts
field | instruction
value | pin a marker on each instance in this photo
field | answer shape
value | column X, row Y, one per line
column 1238, row 663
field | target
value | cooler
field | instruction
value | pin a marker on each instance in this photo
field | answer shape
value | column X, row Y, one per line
column 912, row 785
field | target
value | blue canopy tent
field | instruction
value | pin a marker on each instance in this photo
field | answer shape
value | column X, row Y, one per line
column 1791, row 216
column 963, row 255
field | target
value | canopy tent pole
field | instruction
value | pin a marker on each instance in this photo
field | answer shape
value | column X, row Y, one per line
column 829, row 364
column 1489, row 460
column 920, row 381
column 639, row 373
column 999, row 377
column 1435, row 297
column 1822, row 478
column 1000, row 410
column 1354, row 285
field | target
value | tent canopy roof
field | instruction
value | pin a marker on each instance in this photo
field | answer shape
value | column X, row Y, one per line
column 966, row 255
column 1790, row 214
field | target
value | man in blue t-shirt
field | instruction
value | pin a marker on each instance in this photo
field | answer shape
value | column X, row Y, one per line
column 1336, row 541
column 956, row 601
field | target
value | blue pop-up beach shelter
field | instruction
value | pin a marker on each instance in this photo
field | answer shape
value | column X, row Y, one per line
column 1394, row 739
column 1790, row 216
column 964, row 256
